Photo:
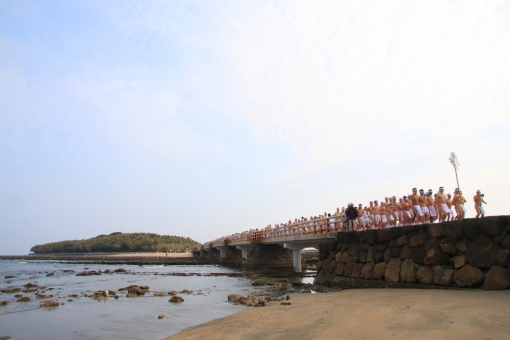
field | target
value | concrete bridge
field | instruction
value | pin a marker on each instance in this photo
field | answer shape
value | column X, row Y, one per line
column 276, row 248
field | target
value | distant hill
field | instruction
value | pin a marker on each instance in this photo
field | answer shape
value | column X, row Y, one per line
column 119, row 242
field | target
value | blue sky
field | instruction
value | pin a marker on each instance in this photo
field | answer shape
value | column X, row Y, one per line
column 203, row 118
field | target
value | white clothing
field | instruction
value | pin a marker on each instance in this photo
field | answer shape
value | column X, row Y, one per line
column 463, row 208
column 481, row 209
column 445, row 208
column 418, row 210
column 425, row 210
column 432, row 211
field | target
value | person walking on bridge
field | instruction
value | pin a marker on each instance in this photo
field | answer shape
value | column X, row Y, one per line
column 352, row 214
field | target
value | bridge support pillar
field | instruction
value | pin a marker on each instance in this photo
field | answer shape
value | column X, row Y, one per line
column 244, row 250
column 223, row 251
column 296, row 252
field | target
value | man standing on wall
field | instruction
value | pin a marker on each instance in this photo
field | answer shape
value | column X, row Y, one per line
column 478, row 198
column 352, row 214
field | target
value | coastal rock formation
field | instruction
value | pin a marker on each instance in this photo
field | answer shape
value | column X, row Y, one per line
column 161, row 316
column 120, row 270
column 24, row 299
column 249, row 300
column 176, row 299
column 88, row 273
column 11, row 291
column 471, row 253
column 4, row 303
column 49, row 304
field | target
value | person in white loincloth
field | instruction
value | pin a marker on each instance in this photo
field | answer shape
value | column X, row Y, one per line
column 415, row 201
column 430, row 204
column 444, row 211
column 478, row 199
column 424, row 208
column 462, row 207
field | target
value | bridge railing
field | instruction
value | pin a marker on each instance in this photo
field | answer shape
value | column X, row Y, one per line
column 322, row 225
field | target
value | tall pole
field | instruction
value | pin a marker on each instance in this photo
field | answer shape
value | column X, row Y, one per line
column 455, row 163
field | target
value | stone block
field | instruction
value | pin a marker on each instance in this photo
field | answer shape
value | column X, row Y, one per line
column 345, row 256
column 380, row 247
column 503, row 257
column 409, row 229
column 349, row 266
column 325, row 264
column 442, row 276
column 395, row 251
column 408, row 271
column 339, row 270
column 371, row 236
column 469, row 276
column 392, row 272
column 356, row 255
column 500, row 238
column 434, row 257
column 387, row 255
column 431, row 243
column 345, row 247
column 379, row 257
column 356, row 271
column 323, row 254
column 461, row 246
column 402, row 240
column 338, row 257
column 352, row 249
column 425, row 275
column 470, row 227
column 419, row 255
column 417, row 240
column 379, row 270
column 362, row 246
column 395, row 232
column 448, row 246
column 482, row 252
column 366, row 272
column 497, row 279
column 370, row 254
column 506, row 242
column 406, row 252
column 331, row 246
column 491, row 226
column 331, row 266
column 319, row 266
column 458, row 261
column 363, row 256
column 451, row 229
column 332, row 255
column 383, row 235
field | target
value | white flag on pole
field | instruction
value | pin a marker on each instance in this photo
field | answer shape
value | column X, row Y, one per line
column 454, row 160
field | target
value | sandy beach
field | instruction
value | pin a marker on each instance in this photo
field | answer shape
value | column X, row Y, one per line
column 370, row 314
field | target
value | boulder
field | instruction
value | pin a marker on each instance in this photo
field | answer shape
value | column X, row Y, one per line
column 446, row 229
column 161, row 316
column 363, row 255
column 492, row 226
column 370, row 254
column 503, row 257
column 107, row 271
column 500, row 238
column 482, row 252
column 345, row 256
column 419, row 255
column 379, row 270
column 396, row 251
column 434, row 257
column 331, row 267
column 379, row 257
column 338, row 257
column 383, row 235
column 402, row 240
column 443, row 276
column 458, row 261
column 176, row 299
column 366, row 272
column 497, row 279
column 470, row 227
column 339, row 270
column 461, row 245
column 406, row 252
column 425, row 275
column 46, row 304
column 332, row 255
column 387, row 255
column 469, row 276
column 392, row 271
column 408, row 271
column 349, row 266
column 356, row 271
column 506, row 242
column 323, row 254
column 448, row 246
column 285, row 303
column 160, row 294
column 4, row 303
column 417, row 240
column 24, row 299
column 318, row 266
column 325, row 264
column 431, row 243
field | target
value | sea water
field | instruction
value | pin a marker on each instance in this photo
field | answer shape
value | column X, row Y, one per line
column 123, row 318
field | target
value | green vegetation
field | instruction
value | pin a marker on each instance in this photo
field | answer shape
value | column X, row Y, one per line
column 119, row 242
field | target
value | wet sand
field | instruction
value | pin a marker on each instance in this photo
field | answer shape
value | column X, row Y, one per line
column 370, row 314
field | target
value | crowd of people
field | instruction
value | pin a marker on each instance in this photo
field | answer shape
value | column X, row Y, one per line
column 419, row 207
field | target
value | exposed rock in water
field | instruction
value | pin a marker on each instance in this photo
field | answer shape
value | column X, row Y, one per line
column 42, row 296
column 89, row 273
column 160, row 294
column 161, row 316
column 4, row 303
column 285, row 303
column 176, row 299
column 24, row 299
column 249, row 300
column 173, row 292
column 30, row 284
column 187, row 291
column 107, row 271
column 50, row 274
column 11, row 291
column 9, row 276
column 50, row 304
column 120, row 270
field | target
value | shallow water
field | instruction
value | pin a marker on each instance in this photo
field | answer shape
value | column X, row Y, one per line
column 125, row 318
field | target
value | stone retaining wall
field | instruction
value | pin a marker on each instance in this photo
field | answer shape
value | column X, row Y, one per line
column 460, row 254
